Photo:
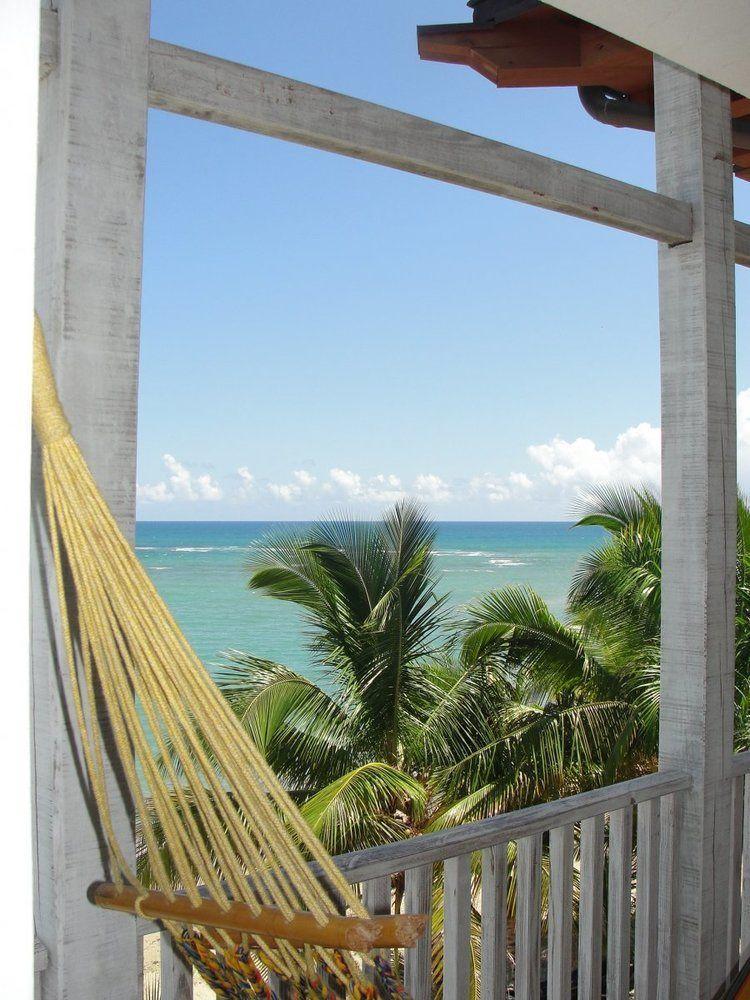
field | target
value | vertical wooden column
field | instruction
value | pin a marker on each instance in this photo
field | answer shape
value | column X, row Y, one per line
column 696, row 279
column 93, row 108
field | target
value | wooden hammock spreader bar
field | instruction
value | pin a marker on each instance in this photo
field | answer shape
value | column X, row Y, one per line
column 345, row 933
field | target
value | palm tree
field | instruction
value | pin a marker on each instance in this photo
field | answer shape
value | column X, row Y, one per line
column 357, row 747
column 351, row 745
column 596, row 670
column 409, row 726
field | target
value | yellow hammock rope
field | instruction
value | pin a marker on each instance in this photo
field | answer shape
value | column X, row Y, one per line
column 205, row 796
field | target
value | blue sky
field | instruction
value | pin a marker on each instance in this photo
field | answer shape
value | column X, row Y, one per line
column 319, row 331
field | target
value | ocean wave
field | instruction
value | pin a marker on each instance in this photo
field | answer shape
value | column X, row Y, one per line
column 208, row 548
column 507, row 562
column 461, row 552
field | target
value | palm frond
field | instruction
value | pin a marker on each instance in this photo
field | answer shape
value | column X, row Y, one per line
column 365, row 807
column 306, row 734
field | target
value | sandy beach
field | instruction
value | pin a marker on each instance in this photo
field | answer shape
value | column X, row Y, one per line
column 151, row 970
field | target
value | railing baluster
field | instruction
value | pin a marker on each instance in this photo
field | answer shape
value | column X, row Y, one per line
column 647, row 901
column 735, row 876
column 668, row 833
column 494, row 922
column 280, row 987
column 590, row 909
column 456, row 927
column 745, row 935
column 656, row 797
column 560, row 916
column 376, row 895
column 418, row 960
column 619, row 903
column 528, row 916
column 176, row 973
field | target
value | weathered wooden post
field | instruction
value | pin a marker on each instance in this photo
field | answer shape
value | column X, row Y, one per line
column 93, row 108
column 694, row 163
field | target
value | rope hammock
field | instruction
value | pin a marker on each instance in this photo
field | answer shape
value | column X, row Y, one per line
column 228, row 850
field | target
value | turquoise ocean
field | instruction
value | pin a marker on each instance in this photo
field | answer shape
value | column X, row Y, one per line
column 201, row 569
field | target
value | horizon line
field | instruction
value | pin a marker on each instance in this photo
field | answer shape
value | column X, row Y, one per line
column 309, row 520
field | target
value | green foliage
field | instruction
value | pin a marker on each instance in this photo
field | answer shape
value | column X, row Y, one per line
column 423, row 722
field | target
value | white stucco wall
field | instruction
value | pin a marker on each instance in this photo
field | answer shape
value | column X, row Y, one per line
column 711, row 37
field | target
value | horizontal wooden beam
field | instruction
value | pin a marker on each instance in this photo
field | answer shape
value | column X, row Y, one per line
column 434, row 847
column 168, row 63
column 742, row 243
column 739, row 763
column 202, row 86
column 48, row 42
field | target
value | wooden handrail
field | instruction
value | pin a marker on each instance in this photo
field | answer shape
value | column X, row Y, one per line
column 375, row 862
column 359, row 866
column 346, row 933
column 739, row 763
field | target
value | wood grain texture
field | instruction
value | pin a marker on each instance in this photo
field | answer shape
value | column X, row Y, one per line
column 48, row 42
column 560, row 917
column 456, row 927
column 669, row 815
column 647, row 902
column 699, row 481
column 494, row 922
column 742, row 243
column 348, row 933
column 590, row 909
column 176, row 974
column 619, row 903
column 528, row 917
column 92, row 135
column 201, row 86
column 376, row 895
column 418, row 960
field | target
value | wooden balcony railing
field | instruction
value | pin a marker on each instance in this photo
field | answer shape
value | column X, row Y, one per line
column 613, row 839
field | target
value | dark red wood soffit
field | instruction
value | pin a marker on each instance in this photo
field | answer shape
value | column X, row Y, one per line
column 545, row 47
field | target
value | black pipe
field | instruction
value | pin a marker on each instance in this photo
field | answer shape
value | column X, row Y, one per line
column 615, row 108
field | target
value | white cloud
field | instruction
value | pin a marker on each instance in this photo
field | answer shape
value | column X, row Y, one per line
column 289, row 492
column 246, row 489
column 380, row 488
column 154, row 493
column 559, row 470
column 520, row 481
column 284, row 491
column 181, row 484
column 635, row 457
column 304, row 479
column 431, row 488
column 497, row 489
